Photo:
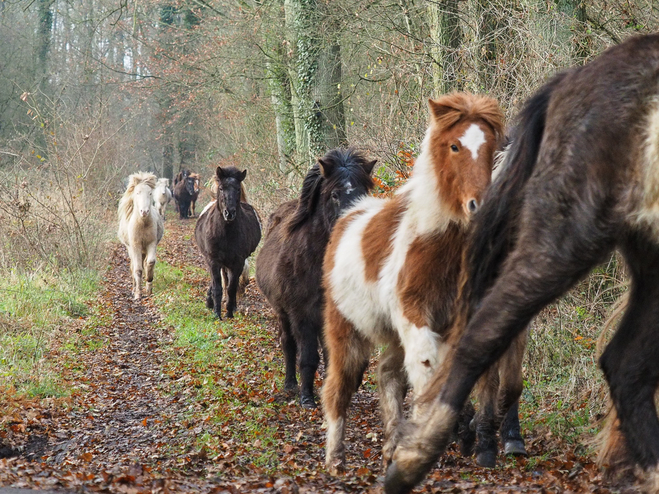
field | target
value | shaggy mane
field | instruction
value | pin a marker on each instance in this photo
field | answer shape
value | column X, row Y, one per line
column 450, row 109
column 126, row 203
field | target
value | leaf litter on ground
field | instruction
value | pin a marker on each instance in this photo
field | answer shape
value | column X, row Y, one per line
column 144, row 415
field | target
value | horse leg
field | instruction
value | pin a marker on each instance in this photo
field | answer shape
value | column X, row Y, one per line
column 307, row 338
column 511, row 386
column 498, row 395
column 135, row 255
column 631, row 360
column 542, row 267
column 392, row 384
column 233, row 276
column 150, row 262
column 289, row 347
column 209, row 297
column 485, row 421
column 348, row 354
column 216, row 287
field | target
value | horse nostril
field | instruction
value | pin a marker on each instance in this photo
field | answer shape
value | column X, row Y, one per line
column 472, row 205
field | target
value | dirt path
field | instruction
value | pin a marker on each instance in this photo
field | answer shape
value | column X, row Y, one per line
column 128, row 426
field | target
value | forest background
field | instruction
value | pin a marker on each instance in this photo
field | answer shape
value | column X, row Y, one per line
column 93, row 90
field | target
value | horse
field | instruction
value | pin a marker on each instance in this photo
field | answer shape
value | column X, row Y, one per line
column 162, row 195
column 227, row 232
column 581, row 179
column 195, row 192
column 184, row 192
column 391, row 273
column 140, row 228
column 288, row 267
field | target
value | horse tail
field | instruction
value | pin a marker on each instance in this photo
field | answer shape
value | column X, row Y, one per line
column 493, row 233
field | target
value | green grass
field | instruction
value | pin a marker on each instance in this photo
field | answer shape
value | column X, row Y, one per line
column 564, row 389
column 34, row 309
column 223, row 364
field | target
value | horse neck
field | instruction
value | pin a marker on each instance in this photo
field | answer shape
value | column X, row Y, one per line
column 426, row 211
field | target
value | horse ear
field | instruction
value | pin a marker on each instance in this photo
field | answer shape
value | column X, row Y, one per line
column 368, row 167
column 243, row 174
column 219, row 172
column 326, row 167
column 446, row 110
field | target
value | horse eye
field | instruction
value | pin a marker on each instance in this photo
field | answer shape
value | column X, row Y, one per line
column 454, row 148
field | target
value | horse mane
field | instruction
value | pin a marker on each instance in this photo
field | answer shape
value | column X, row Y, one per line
column 449, row 109
column 125, row 209
column 313, row 182
column 163, row 181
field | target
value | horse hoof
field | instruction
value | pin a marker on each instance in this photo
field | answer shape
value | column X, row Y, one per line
column 394, row 483
column 335, row 467
column 487, row 459
column 229, row 315
column 308, row 402
column 515, row 447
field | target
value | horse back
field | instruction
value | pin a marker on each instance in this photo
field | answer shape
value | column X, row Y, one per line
column 289, row 264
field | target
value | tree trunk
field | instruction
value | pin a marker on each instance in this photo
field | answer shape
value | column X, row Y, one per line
column 446, row 38
column 328, row 93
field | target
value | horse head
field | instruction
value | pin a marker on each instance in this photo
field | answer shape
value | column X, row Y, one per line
column 190, row 185
column 347, row 177
column 142, row 199
column 332, row 185
column 228, row 191
column 196, row 182
column 464, row 133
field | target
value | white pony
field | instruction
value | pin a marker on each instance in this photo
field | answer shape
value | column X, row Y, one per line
column 140, row 228
column 162, row 195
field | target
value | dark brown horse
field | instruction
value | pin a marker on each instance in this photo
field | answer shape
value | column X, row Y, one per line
column 184, row 193
column 227, row 233
column 581, row 178
column 391, row 276
column 289, row 265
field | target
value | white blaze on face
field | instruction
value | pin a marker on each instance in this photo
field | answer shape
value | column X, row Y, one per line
column 473, row 139
column 349, row 187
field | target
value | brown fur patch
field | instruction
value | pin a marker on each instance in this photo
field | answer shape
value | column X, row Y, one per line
column 377, row 239
column 427, row 284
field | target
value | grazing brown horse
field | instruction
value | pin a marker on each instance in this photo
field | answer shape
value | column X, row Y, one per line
column 289, row 265
column 581, row 178
column 227, row 233
column 391, row 276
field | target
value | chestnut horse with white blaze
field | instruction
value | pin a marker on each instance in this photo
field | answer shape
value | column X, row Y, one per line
column 140, row 228
column 391, row 274
column 581, row 178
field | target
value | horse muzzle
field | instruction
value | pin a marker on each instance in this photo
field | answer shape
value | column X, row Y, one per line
column 229, row 216
column 144, row 213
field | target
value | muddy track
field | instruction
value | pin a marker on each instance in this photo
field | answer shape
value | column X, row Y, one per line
column 126, row 428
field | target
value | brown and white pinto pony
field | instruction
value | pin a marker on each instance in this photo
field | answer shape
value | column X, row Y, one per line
column 391, row 273
column 581, row 178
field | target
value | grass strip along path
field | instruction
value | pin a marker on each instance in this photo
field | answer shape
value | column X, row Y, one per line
column 166, row 398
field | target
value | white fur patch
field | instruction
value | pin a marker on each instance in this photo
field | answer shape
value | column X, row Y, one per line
column 349, row 187
column 648, row 208
column 424, row 353
column 473, row 139
column 208, row 206
column 355, row 298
